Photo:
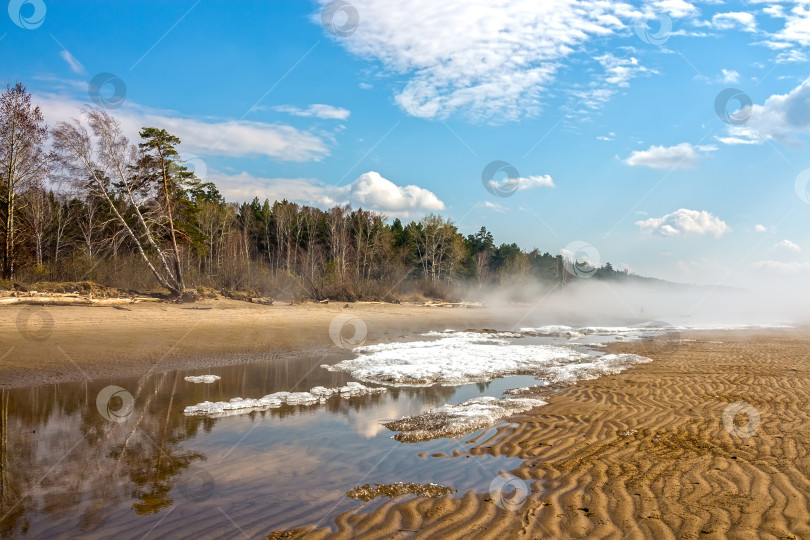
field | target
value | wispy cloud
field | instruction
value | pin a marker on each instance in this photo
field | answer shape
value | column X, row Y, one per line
column 74, row 64
column 203, row 136
column 316, row 110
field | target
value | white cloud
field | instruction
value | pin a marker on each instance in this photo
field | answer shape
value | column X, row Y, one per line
column 685, row 222
column 782, row 268
column 495, row 206
column 618, row 73
column 760, row 228
column 781, row 117
column 203, row 136
column 75, row 65
column 498, row 67
column 676, row 8
column 529, row 182
column 370, row 191
column 730, row 76
column 609, row 137
column 316, row 110
column 680, row 156
column 797, row 26
column 736, row 19
column 787, row 245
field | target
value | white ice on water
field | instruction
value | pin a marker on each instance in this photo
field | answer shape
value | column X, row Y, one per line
column 317, row 394
column 462, row 357
column 466, row 417
column 206, row 379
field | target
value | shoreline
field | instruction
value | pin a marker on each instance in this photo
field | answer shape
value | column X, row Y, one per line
column 55, row 344
column 656, row 451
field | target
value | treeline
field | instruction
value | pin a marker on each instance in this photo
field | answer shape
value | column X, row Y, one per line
column 132, row 216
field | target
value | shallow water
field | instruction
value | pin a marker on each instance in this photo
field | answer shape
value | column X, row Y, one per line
column 66, row 470
column 67, row 467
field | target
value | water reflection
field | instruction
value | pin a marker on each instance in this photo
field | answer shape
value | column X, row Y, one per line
column 65, row 469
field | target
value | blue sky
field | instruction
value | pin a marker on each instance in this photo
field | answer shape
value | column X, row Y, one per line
column 605, row 111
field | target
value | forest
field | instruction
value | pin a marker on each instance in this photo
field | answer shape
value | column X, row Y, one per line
column 80, row 202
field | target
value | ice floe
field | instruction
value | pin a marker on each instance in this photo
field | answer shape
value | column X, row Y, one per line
column 452, row 420
column 317, row 394
column 452, row 359
column 207, row 379
column 463, row 357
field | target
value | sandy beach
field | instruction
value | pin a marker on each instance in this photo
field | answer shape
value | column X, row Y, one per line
column 73, row 343
column 645, row 453
column 707, row 441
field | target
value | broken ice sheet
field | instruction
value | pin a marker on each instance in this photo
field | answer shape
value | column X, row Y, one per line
column 453, row 420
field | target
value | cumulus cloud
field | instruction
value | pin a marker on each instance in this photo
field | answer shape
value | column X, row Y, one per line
column 796, row 29
column 760, row 228
column 317, row 110
column 736, row 19
column 370, row 191
column 685, row 222
column 224, row 137
column 730, row 76
column 782, row 117
column 680, row 156
column 788, row 246
column 499, row 66
column 676, row 8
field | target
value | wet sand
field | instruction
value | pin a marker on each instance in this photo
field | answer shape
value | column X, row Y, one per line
column 645, row 453
column 43, row 345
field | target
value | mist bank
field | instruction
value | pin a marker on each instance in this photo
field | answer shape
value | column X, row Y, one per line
column 599, row 302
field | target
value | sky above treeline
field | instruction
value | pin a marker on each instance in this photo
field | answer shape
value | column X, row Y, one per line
column 669, row 137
